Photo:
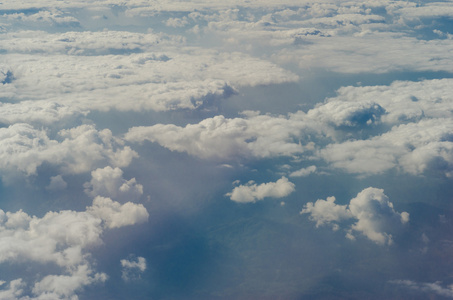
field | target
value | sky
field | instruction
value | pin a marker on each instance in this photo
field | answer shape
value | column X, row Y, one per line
column 237, row 149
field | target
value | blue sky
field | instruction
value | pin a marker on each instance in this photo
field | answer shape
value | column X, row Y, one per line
column 210, row 150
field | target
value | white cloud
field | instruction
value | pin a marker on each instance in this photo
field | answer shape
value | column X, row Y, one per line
column 303, row 172
column 23, row 149
column 351, row 131
column 98, row 70
column 326, row 212
column 109, row 182
column 117, row 215
column 347, row 114
column 223, row 138
column 64, row 286
column 414, row 148
column 371, row 210
column 48, row 17
column 64, row 239
column 403, row 101
column 14, row 290
column 251, row 192
column 42, row 112
column 132, row 268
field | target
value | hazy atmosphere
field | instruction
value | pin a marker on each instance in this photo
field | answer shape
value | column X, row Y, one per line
column 243, row 149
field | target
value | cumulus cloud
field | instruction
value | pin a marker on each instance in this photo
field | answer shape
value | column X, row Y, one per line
column 363, row 130
column 348, row 114
column 61, row 68
column 303, row 172
column 403, row 101
column 223, row 138
column 414, row 148
column 132, row 269
column 40, row 112
column 23, row 149
column 117, row 215
column 373, row 213
column 62, row 238
column 326, row 212
column 13, row 291
column 251, row 192
column 64, row 286
column 109, row 182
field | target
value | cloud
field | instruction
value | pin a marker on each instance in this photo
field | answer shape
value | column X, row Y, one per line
column 64, row 239
column 223, row 138
column 41, row 112
column 76, row 62
column 403, row 101
column 23, row 149
column 14, row 290
column 348, row 114
column 371, row 210
column 326, row 212
column 378, row 53
column 132, row 269
column 414, row 148
column 429, row 288
column 109, row 182
column 56, row 183
column 117, row 215
column 363, row 130
column 98, row 70
column 251, row 192
column 52, row 17
column 64, row 286
column 303, row 172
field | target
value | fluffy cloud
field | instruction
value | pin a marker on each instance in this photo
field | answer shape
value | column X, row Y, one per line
column 403, row 101
column 62, row 238
column 303, row 172
column 117, row 215
column 23, row 149
column 98, row 70
column 13, row 291
column 326, row 212
column 251, row 192
column 109, row 182
column 64, row 286
column 371, row 210
column 41, row 112
column 132, row 268
column 352, row 131
column 414, row 148
column 42, row 17
column 347, row 114
column 223, row 138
